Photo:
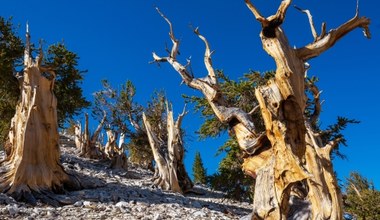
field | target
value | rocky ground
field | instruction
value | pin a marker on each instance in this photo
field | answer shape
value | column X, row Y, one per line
column 124, row 195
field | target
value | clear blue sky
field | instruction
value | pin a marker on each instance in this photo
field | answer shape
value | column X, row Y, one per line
column 115, row 38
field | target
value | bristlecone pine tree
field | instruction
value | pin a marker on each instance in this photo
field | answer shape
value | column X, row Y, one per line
column 32, row 169
column 362, row 200
column 168, row 151
column 199, row 172
column 124, row 118
column 291, row 160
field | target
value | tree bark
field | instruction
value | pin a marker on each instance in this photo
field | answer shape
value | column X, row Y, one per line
column 170, row 170
column 32, row 170
column 291, row 164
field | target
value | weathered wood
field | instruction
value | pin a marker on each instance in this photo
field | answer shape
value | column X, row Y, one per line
column 90, row 146
column 170, row 170
column 292, row 166
column 78, row 135
column 33, row 169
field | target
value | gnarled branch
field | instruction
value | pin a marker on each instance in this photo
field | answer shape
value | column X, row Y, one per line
column 310, row 17
column 256, row 12
column 327, row 41
column 272, row 21
column 208, row 86
column 95, row 136
column 207, row 58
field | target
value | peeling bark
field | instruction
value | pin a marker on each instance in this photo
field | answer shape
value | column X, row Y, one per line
column 32, row 170
column 292, row 166
column 170, row 170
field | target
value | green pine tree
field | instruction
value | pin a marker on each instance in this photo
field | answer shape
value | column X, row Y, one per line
column 362, row 199
column 199, row 172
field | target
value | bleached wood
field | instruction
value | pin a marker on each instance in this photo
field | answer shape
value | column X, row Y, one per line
column 170, row 170
column 32, row 168
column 292, row 167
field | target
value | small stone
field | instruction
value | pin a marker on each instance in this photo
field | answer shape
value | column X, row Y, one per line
column 122, row 204
column 50, row 213
column 157, row 217
column 196, row 204
column 87, row 203
column 78, row 203
column 12, row 209
column 199, row 214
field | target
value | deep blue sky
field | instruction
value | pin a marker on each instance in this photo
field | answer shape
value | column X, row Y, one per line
column 115, row 39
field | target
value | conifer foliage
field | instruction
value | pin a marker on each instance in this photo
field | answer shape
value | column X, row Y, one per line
column 362, row 199
column 199, row 172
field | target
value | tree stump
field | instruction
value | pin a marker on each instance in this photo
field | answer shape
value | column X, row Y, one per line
column 32, row 169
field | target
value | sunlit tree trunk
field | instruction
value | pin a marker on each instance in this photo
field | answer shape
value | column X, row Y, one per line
column 291, row 164
column 32, row 170
column 89, row 145
column 114, row 153
column 78, row 139
column 170, row 170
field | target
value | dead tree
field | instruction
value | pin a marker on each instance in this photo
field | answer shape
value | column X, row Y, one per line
column 170, row 170
column 89, row 144
column 78, row 138
column 32, row 169
column 291, row 164
column 114, row 153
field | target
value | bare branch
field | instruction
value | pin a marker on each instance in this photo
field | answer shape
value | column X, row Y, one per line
column 27, row 51
column 327, row 41
column 278, row 18
column 207, row 58
column 256, row 13
column 95, row 136
column 181, row 69
column 237, row 119
column 174, row 50
column 254, row 110
column 356, row 191
column 180, row 117
column 323, row 30
column 311, row 22
column 280, row 15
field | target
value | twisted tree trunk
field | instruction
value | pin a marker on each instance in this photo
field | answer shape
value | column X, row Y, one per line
column 32, row 169
column 170, row 170
column 291, row 163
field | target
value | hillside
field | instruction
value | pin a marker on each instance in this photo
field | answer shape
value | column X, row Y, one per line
column 123, row 194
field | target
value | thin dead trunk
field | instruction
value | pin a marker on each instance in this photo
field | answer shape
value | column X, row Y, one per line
column 113, row 152
column 90, row 146
column 170, row 171
column 32, row 170
column 292, row 166
column 78, row 135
